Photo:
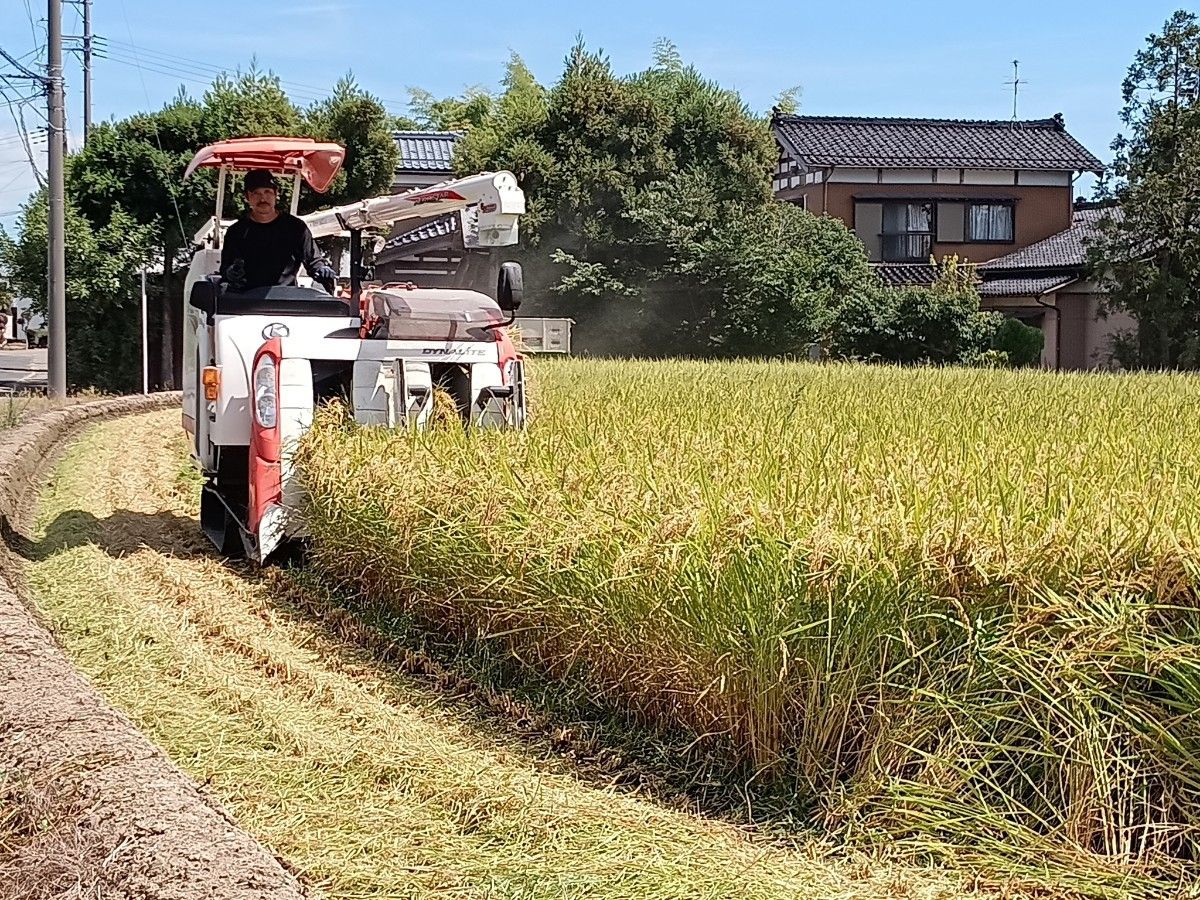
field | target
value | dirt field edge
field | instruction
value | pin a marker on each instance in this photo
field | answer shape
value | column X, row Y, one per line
column 87, row 803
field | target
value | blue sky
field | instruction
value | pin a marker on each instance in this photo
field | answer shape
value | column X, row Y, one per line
column 890, row 59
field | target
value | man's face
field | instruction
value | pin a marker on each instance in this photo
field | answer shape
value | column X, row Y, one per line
column 261, row 200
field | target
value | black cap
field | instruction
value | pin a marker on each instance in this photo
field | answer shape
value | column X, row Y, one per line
column 259, row 178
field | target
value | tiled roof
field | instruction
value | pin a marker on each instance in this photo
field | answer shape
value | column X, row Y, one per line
column 1067, row 248
column 919, row 143
column 425, row 151
column 904, row 274
column 1023, row 287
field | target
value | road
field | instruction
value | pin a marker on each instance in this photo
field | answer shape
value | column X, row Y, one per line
column 22, row 369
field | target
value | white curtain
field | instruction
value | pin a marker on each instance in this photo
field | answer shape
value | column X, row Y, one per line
column 990, row 222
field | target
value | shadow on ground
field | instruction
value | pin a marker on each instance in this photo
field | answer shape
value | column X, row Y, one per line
column 118, row 535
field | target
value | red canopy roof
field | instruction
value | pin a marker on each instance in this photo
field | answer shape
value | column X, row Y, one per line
column 317, row 163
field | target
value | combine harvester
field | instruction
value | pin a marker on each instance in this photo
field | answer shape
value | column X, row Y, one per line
column 257, row 364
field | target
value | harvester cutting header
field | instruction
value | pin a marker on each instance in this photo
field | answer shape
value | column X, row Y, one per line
column 260, row 353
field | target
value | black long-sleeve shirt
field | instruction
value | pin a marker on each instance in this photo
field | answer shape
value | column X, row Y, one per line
column 257, row 254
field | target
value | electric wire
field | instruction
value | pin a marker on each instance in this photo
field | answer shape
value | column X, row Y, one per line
column 16, row 109
column 120, row 51
column 184, row 241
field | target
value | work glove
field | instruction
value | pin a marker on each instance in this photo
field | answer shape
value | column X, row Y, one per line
column 324, row 273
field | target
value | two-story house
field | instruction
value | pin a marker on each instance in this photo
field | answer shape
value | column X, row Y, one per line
column 916, row 189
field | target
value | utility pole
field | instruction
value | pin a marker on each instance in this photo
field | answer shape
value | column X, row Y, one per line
column 56, row 243
column 86, row 46
column 87, row 69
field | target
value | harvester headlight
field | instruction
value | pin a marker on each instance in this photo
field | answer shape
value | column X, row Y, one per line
column 266, row 400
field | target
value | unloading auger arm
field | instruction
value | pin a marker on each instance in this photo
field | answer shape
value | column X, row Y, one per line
column 496, row 196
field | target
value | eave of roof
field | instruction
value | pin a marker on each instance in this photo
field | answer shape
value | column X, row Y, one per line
column 1064, row 251
column 1024, row 287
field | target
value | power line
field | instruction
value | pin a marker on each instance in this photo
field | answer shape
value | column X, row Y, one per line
column 34, row 137
column 33, row 29
column 17, row 106
column 157, row 138
column 20, row 67
column 196, row 69
column 4, row 188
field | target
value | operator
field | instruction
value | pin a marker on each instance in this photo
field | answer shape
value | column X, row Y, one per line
column 266, row 247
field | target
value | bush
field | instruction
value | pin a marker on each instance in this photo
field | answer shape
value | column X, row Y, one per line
column 940, row 324
column 1020, row 342
column 102, row 288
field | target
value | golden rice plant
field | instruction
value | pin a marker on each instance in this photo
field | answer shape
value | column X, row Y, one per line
column 951, row 608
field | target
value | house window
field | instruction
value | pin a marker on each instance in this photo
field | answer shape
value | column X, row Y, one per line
column 907, row 232
column 990, row 223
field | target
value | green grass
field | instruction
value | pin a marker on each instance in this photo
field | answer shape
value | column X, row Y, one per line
column 953, row 611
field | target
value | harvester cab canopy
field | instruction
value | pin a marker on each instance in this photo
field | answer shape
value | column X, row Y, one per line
column 493, row 198
column 317, row 163
column 305, row 159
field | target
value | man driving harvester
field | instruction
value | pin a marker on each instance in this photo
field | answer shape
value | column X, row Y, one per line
column 266, row 247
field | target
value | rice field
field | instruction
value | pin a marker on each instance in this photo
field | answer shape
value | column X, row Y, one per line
column 947, row 611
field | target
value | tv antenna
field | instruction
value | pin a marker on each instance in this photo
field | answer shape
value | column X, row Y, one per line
column 1016, row 83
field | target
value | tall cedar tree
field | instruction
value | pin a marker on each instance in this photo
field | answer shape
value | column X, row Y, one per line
column 1148, row 249
column 647, row 195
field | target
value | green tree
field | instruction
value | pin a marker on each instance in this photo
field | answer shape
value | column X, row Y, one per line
column 251, row 104
column 626, row 176
column 135, row 166
column 1148, row 249
column 102, row 292
column 1021, row 344
column 463, row 113
column 358, row 121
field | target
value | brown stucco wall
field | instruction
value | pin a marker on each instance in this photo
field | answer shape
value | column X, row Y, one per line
column 1086, row 341
column 1040, row 211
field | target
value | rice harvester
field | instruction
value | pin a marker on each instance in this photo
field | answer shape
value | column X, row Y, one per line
column 256, row 364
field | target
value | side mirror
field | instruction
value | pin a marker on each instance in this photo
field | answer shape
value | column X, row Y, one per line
column 204, row 296
column 510, row 287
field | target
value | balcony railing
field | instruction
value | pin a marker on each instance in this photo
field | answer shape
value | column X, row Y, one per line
column 912, row 246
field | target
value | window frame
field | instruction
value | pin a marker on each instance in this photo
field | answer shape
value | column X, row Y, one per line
column 1011, row 205
column 884, row 234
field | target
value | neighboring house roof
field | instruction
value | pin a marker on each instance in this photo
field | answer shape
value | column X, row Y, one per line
column 1043, row 144
column 425, row 151
column 903, row 274
column 1024, row 287
column 1067, row 249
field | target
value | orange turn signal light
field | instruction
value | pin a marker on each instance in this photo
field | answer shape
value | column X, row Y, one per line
column 210, row 377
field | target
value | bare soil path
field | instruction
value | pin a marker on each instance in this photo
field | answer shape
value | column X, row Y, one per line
column 368, row 782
